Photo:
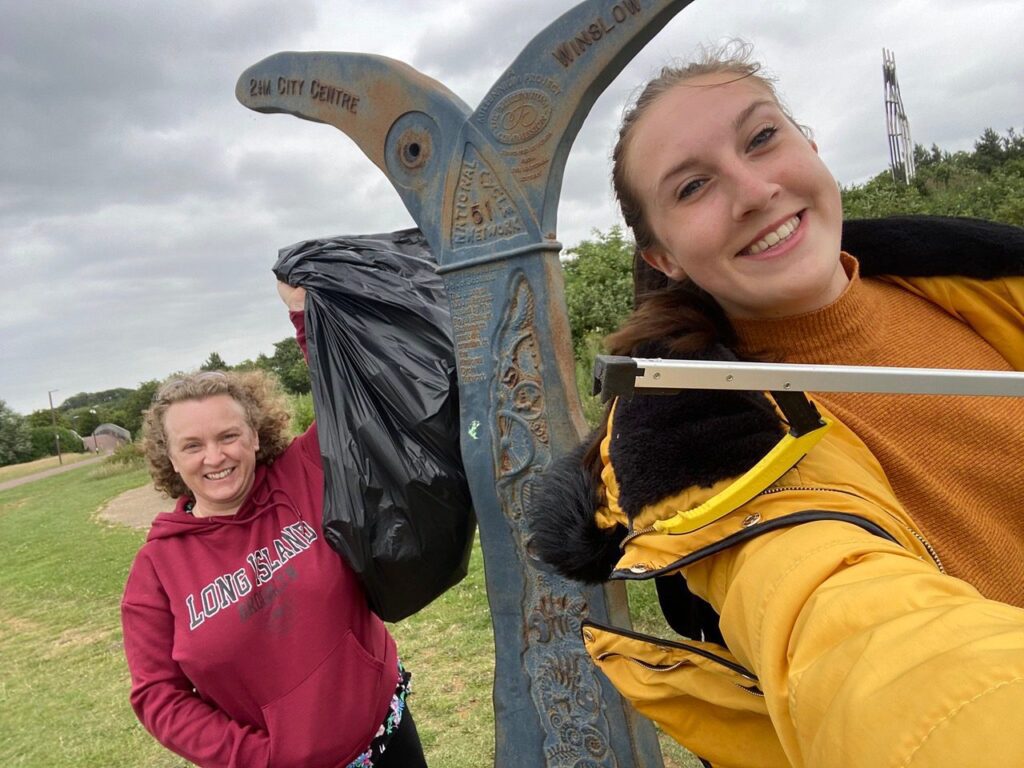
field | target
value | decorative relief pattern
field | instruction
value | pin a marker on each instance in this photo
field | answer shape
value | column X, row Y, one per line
column 518, row 113
column 564, row 689
column 520, row 116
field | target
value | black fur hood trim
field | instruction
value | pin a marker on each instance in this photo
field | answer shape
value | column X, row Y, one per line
column 661, row 445
column 935, row 246
column 563, row 532
column 664, row 444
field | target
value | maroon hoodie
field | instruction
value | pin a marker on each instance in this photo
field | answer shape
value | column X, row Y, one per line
column 248, row 639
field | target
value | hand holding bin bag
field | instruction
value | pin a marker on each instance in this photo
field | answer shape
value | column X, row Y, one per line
column 382, row 365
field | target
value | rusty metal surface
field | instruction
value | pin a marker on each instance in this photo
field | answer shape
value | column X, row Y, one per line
column 483, row 185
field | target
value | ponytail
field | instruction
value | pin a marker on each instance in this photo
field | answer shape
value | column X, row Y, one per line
column 669, row 319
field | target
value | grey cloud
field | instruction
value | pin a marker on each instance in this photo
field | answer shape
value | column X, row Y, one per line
column 141, row 207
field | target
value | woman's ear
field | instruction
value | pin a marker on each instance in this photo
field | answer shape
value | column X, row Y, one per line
column 658, row 257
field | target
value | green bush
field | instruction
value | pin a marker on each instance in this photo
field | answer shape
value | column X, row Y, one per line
column 598, row 285
column 302, row 412
column 43, row 443
column 986, row 184
column 127, row 457
column 15, row 445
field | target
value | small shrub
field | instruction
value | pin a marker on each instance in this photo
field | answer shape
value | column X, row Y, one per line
column 129, row 455
column 593, row 409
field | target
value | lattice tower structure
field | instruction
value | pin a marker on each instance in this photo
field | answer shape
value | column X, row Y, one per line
column 901, row 148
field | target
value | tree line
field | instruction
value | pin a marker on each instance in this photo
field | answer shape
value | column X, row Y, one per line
column 986, row 182
column 26, row 438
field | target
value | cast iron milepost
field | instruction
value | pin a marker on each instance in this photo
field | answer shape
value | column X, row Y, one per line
column 483, row 185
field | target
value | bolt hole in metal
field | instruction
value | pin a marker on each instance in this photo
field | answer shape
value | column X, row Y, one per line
column 414, row 148
column 410, row 150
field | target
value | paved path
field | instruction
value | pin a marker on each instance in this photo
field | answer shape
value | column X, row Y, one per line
column 49, row 472
column 136, row 508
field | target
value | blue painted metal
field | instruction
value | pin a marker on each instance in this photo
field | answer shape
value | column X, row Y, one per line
column 483, row 185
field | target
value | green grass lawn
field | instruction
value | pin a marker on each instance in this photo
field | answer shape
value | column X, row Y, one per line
column 63, row 681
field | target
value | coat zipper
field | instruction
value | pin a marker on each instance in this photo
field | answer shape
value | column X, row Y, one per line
column 665, row 643
column 924, row 542
column 753, row 690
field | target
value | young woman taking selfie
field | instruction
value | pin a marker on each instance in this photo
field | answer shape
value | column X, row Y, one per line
column 856, row 600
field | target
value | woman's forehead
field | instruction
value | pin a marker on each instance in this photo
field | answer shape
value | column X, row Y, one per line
column 194, row 415
column 706, row 99
column 689, row 116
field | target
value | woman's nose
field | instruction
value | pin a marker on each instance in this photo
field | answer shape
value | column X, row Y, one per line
column 753, row 192
column 213, row 454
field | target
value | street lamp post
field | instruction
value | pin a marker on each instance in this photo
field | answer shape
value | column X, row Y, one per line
column 53, row 417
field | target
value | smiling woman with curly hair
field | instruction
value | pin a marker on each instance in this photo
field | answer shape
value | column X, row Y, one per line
column 249, row 640
column 259, row 395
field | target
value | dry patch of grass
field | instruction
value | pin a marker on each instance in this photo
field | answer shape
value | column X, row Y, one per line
column 74, row 638
column 11, row 625
column 14, row 471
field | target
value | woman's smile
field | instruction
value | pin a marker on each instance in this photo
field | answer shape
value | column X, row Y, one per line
column 771, row 242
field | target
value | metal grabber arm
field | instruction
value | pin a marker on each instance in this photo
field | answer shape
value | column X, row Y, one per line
column 483, row 186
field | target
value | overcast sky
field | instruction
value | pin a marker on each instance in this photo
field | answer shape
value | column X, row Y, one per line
column 142, row 207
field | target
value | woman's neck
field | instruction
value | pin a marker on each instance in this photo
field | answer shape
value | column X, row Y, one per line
column 203, row 509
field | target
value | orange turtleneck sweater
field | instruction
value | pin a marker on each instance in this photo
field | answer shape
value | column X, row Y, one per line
column 956, row 463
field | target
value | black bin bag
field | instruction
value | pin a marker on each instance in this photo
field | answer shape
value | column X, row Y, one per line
column 382, row 365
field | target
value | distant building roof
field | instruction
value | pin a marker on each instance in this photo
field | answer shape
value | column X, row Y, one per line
column 113, row 429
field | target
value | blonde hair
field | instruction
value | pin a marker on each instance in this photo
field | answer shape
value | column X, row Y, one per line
column 258, row 393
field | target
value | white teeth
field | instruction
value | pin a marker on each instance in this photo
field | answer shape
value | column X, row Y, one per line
column 218, row 475
column 774, row 238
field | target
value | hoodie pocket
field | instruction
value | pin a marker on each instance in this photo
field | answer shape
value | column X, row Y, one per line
column 332, row 715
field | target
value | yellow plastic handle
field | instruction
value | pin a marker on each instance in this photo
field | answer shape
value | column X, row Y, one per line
column 779, row 460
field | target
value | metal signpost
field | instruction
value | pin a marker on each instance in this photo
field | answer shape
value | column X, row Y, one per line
column 483, row 185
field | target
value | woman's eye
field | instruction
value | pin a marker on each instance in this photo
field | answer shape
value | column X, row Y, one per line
column 763, row 136
column 191, row 447
column 690, row 188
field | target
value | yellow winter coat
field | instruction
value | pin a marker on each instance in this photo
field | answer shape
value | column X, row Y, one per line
column 847, row 645
column 848, row 648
